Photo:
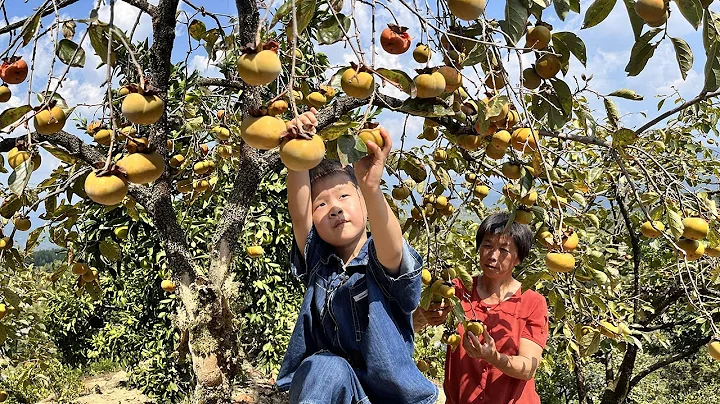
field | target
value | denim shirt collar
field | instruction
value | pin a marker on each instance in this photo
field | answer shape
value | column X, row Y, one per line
column 327, row 252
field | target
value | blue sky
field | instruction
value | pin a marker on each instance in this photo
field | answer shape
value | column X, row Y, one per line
column 608, row 45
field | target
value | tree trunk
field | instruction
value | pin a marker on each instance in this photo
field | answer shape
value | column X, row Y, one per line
column 213, row 347
column 617, row 391
column 582, row 392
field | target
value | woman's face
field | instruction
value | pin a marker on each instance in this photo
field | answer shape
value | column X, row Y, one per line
column 339, row 212
column 498, row 255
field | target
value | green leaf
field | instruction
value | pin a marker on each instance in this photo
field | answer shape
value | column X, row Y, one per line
column 623, row 137
column 10, row 206
column 594, row 219
column 710, row 29
column 641, row 52
column 684, row 56
column 20, row 176
column 281, row 13
column 426, row 298
column 330, row 32
column 12, row 297
column 612, row 112
column 627, row 94
column 12, row 115
column 304, row 13
column 562, row 7
column 66, row 49
column 636, row 22
column 458, row 311
column 516, row 16
column 33, row 238
column 59, row 153
column 594, row 345
column 414, row 168
column 562, row 90
column 197, row 30
column 712, row 68
column 463, row 273
column 399, row 79
column 573, row 43
column 692, row 10
column 496, row 104
column 561, row 49
column 30, row 27
column 597, row 12
column 351, row 149
column 336, row 129
column 110, row 250
column 675, row 223
column 428, row 107
column 99, row 36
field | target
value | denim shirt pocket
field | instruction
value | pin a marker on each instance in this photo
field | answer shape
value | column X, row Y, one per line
column 359, row 303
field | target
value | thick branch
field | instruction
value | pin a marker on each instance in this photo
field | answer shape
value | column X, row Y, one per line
column 582, row 390
column 143, row 5
column 671, row 359
column 248, row 20
column 212, row 81
column 50, row 9
column 701, row 97
column 635, row 241
column 343, row 105
column 253, row 167
column 159, row 202
column 663, row 303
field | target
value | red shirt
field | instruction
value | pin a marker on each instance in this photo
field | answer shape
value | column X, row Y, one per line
column 470, row 380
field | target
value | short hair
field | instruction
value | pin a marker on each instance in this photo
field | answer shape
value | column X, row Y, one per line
column 331, row 168
column 496, row 223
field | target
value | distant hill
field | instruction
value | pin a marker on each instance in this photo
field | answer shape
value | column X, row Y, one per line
column 42, row 257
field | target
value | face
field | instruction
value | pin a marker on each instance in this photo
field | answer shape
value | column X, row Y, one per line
column 498, row 255
column 339, row 212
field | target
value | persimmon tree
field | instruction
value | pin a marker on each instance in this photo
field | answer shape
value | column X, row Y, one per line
column 626, row 218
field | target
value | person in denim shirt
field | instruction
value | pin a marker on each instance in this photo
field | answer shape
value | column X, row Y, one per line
column 353, row 340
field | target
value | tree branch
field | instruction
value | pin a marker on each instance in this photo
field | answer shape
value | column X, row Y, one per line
column 219, row 82
column 667, row 361
column 48, row 10
column 158, row 202
column 253, row 168
column 143, row 5
column 701, row 97
column 635, row 241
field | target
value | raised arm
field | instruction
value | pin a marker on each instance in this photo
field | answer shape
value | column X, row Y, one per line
column 384, row 226
column 298, row 187
column 300, row 205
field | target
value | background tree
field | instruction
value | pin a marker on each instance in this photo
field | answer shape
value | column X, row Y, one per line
column 148, row 203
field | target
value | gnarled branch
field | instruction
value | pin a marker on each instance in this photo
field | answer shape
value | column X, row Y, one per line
column 669, row 360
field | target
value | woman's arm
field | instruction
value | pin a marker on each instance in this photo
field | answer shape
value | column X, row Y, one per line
column 521, row 366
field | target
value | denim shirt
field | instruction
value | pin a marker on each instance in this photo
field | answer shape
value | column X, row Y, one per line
column 361, row 314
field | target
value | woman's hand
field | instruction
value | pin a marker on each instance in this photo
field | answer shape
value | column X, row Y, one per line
column 369, row 169
column 480, row 350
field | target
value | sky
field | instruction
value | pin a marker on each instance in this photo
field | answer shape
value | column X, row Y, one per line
column 608, row 47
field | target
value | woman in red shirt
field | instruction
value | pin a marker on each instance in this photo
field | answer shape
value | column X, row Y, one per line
column 499, row 366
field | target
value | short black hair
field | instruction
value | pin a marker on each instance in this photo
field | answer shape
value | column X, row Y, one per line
column 495, row 224
column 329, row 168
